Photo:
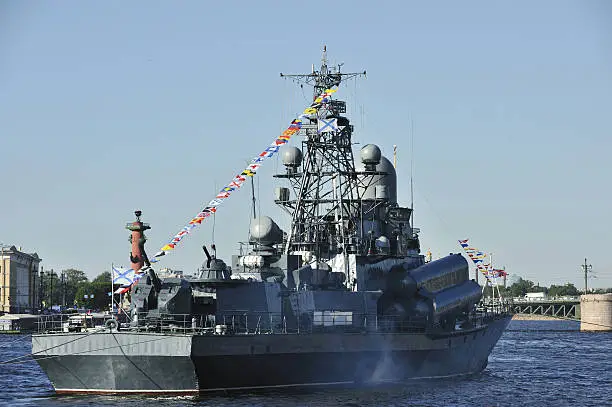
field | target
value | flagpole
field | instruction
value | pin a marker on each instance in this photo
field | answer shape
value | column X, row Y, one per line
column 112, row 288
column 490, row 271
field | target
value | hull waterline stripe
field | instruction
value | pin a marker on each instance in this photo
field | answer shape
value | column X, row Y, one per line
column 273, row 386
column 123, row 391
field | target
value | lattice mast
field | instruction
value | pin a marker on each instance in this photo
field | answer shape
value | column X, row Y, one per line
column 324, row 206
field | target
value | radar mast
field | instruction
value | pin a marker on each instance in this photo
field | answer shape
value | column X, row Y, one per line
column 324, row 204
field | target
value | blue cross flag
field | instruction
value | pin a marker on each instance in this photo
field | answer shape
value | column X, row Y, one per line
column 123, row 276
column 327, row 125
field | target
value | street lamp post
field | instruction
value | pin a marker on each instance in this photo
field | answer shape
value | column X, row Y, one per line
column 587, row 268
column 63, row 290
column 51, row 289
column 41, row 292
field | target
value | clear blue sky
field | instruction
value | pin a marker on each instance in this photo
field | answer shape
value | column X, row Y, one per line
column 106, row 107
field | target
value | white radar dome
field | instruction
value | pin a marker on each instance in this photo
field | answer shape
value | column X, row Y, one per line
column 370, row 154
column 291, row 156
column 265, row 231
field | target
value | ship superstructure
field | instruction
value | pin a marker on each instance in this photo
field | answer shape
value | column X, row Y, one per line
column 342, row 296
column 341, row 208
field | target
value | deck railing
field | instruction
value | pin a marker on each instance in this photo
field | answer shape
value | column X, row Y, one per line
column 71, row 322
column 252, row 323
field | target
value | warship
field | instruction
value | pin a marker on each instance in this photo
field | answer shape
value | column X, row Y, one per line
column 343, row 296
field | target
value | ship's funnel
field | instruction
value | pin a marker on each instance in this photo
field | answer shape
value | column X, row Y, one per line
column 384, row 183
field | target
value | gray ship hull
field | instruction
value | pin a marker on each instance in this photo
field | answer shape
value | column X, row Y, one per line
column 123, row 362
column 117, row 362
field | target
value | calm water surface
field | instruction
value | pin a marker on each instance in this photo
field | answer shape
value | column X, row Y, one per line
column 543, row 363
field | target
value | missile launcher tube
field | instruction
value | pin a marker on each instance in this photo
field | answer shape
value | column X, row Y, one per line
column 456, row 299
column 434, row 276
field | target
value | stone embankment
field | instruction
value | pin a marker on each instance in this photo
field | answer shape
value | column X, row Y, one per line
column 530, row 317
column 596, row 312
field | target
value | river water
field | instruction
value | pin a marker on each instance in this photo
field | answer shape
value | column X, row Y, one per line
column 543, row 363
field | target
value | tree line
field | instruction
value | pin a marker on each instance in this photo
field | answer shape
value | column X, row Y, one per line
column 521, row 287
column 71, row 287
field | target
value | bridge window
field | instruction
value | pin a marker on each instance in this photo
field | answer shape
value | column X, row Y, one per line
column 332, row 318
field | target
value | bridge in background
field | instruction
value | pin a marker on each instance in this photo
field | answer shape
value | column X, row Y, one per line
column 568, row 307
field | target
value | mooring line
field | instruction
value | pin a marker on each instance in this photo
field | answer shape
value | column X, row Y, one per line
column 53, row 347
column 18, row 339
column 565, row 319
column 15, row 361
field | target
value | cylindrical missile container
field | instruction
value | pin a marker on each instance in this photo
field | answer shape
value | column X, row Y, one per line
column 431, row 277
column 457, row 299
column 439, row 274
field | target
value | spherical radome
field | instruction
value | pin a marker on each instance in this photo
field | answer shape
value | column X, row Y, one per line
column 265, row 231
column 370, row 154
column 291, row 156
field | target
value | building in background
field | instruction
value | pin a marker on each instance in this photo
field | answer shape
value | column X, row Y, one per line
column 169, row 273
column 19, row 280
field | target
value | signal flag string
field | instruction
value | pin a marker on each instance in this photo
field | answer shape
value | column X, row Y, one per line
column 250, row 171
